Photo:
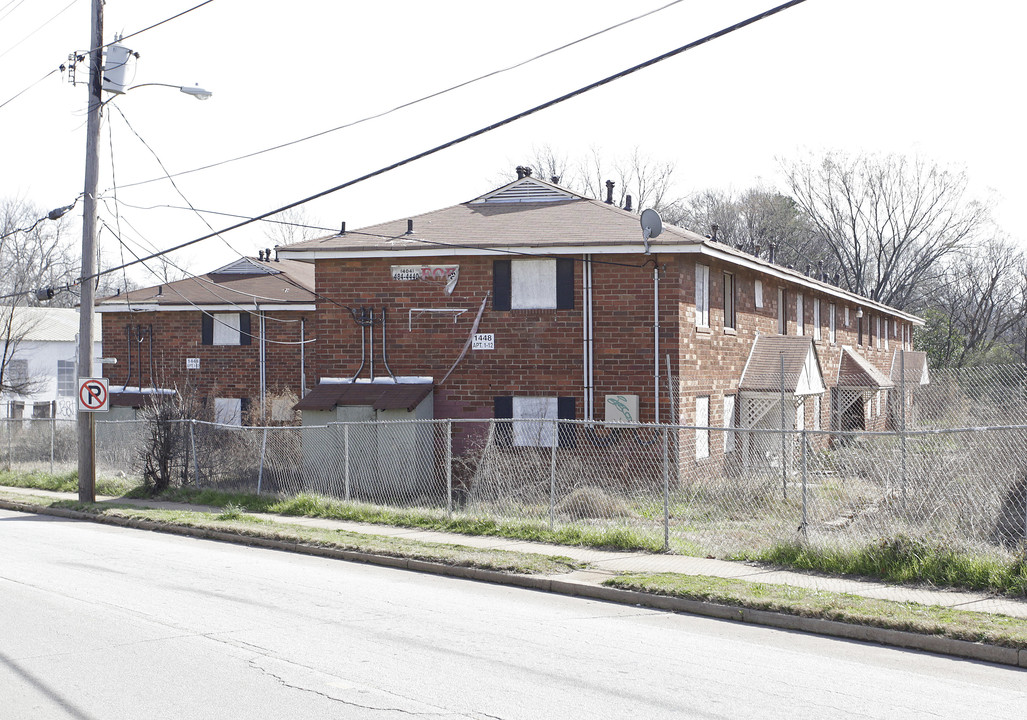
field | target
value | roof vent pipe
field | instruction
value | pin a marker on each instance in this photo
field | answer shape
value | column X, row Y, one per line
column 609, row 192
column 527, row 171
column 772, row 252
column 627, row 203
column 520, row 172
column 757, row 250
column 820, row 271
column 555, row 179
column 267, row 254
column 342, row 230
column 714, row 228
column 276, row 252
column 809, row 267
column 410, row 227
column 260, row 255
column 837, row 278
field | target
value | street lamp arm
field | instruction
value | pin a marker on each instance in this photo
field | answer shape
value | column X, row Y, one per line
column 195, row 90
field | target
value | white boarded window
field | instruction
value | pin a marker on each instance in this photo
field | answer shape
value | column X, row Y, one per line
column 877, row 331
column 800, row 321
column 759, row 293
column 846, row 316
column 702, row 295
column 226, row 329
column 800, row 416
column 886, row 323
column 729, row 423
column 817, row 409
column 228, row 411
column 816, row 318
column 533, row 284
column 832, row 323
column 702, row 420
column 531, row 427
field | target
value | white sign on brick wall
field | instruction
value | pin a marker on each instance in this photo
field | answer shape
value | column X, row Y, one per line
column 192, row 363
column 484, row 341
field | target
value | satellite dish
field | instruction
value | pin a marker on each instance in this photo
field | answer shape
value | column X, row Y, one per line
column 652, row 226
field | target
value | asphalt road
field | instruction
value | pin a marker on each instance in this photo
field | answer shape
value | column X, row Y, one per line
column 103, row 622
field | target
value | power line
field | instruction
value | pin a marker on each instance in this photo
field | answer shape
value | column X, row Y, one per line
column 224, row 214
column 18, row 95
column 59, row 13
column 409, row 103
column 105, row 45
column 481, row 131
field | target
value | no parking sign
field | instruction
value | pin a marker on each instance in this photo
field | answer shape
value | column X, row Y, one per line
column 93, row 395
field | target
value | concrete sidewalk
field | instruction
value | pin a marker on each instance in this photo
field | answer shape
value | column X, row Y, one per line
column 606, row 563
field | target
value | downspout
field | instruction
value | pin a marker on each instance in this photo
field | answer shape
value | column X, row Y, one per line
column 128, row 337
column 656, row 343
column 152, row 383
column 263, row 365
column 587, row 338
column 303, row 364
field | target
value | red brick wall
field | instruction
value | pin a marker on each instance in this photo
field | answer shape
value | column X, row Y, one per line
column 541, row 353
column 711, row 363
column 537, row 352
column 225, row 370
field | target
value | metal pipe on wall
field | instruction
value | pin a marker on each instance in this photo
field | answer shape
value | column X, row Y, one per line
column 656, row 344
column 303, row 364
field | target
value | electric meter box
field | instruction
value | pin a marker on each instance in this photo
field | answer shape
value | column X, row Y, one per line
column 622, row 409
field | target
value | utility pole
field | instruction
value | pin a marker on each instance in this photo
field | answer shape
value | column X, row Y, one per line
column 86, row 422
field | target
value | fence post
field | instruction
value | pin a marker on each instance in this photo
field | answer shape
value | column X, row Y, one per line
column 196, row 458
column 784, row 435
column 53, row 430
column 10, row 445
column 345, row 457
column 666, row 489
column 552, row 475
column 449, row 468
column 263, row 449
column 902, row 432
column 803, row 450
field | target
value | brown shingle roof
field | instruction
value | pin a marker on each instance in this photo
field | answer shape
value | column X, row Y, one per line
column 854, row 370
column 483, row 225
column 763, row 370
column 380, row 396
column 284, row 281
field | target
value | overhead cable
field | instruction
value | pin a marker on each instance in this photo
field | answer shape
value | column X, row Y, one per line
column 481, row 131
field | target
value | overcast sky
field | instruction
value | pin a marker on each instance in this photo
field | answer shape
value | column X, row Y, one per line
column 931, row 77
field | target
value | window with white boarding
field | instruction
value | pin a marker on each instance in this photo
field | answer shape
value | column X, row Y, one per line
column 702, row 295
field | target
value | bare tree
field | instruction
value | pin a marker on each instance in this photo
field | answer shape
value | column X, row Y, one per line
column 35, row 252
column 291, row 226
column 977, row 309
column 888, row 221
column 751, row 220
column 649, row 182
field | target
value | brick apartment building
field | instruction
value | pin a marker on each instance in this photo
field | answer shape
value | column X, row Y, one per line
column 238, row 337
column 535, row 302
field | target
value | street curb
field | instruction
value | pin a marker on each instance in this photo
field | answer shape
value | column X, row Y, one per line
column 831, row 628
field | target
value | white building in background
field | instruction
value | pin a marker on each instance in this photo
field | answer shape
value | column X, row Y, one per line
column 43, row 347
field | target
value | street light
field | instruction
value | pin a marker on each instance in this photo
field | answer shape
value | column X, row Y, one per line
column 110, row 78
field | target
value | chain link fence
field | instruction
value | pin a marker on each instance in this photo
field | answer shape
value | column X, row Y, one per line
column 944, row 460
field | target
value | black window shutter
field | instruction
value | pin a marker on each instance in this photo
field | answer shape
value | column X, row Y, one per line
column 502, row 407
column 566, row 410
column 244, row 329
column 207, row 329
column 564, row 284
column 500, row 284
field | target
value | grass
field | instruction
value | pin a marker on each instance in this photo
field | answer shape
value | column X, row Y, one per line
column 906, row 560
column 1000, row 630
column 308, row 505
column 63, row 482
column 233, row 520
